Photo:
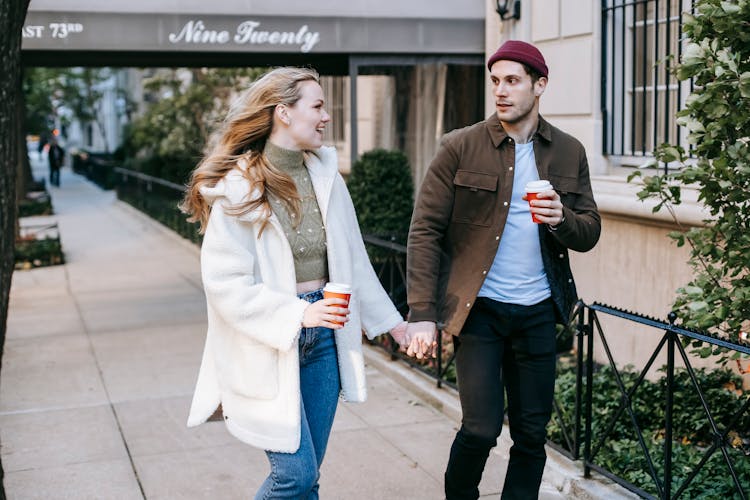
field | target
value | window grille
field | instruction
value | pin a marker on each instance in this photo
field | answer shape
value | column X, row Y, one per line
column 641, row 40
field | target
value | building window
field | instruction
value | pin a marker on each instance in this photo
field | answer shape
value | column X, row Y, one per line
column 640, row 96
column 334, row 90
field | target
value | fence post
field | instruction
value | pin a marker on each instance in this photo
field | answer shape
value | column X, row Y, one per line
column 668, row 410
column 439, row 357
column 580, row 332
column 589, row 394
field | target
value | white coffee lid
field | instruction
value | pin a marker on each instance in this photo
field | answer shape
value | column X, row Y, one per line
column 338, row 288
column 537, row 186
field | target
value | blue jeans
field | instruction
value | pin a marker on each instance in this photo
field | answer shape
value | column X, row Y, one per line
column 295, row 475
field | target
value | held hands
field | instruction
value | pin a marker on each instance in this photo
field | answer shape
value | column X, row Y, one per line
column 422, row 338
column 547, row 207
column 328, row 313
column 398, row 333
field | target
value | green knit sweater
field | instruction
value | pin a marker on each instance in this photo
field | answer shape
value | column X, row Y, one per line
column 307, row 237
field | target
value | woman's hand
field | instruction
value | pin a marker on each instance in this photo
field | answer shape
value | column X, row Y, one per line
column 328, row 313
column 398, row 333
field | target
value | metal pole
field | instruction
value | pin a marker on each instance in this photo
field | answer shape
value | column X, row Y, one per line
column 579, row 381
column 353, row 147
column 589, row 394
column 440, row 358
column 671, row 336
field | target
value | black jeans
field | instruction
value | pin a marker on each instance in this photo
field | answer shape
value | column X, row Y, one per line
column 511, row 348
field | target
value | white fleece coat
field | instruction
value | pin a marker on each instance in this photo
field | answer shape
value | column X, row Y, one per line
column 250, row 361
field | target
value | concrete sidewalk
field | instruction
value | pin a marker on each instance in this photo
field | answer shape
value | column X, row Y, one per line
column 100, row 361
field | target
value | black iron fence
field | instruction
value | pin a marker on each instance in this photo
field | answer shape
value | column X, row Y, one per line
column 96, row 167
column 158, row 198
column 670, row 438
column 708, row 438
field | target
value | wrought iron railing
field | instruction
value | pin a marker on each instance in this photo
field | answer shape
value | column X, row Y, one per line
column 664, row 482
column 158, row 198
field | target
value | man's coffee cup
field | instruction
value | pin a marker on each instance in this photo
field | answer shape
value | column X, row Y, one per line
column 533, row 188
column 337, row 291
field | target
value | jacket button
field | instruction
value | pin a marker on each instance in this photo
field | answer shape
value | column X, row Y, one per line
column 505, row 203
column 484, row 272
column 510, row 168
column 562, row 256
column 468, row 304
column 570, row 280
column 497, row 238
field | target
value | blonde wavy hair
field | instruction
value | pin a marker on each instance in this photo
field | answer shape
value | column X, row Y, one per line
column 243, row 137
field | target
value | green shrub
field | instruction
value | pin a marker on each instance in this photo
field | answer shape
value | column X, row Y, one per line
column 621, row 452
column 31, row 253
column 31, row 207
column 383, row 194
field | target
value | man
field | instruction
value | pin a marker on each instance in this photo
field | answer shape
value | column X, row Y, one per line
column 497, row 281
column 56, row 157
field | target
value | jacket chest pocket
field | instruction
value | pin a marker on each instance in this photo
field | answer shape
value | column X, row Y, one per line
column 567, row 188
column 474, row 197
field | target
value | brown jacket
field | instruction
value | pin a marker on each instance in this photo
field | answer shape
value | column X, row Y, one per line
column 462, row 208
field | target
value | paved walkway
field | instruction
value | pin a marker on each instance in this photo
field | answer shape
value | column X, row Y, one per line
column 101, row 357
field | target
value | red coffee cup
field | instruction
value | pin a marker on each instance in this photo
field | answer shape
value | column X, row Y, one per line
column 338, row 291
column 533, row 188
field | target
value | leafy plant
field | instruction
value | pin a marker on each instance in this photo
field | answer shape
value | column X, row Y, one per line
column 31, row 253
column 383, row 194
column 35, row 206
column 623, row 455
column 168, row 139
column 717, row 118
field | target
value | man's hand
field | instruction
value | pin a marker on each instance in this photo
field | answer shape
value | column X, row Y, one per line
column 422, row 337
column 547, row 207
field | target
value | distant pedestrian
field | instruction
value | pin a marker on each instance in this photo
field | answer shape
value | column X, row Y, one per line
column 56, row 158
column 40, row 145
column 279, row 223
column 496, row 277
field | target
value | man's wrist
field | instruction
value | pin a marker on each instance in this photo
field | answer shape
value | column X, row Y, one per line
column 555, row 227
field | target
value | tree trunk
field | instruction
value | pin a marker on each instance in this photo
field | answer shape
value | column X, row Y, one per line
column 12, row 15
column 24, row 175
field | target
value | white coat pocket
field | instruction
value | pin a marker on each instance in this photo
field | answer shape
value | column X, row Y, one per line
column 255, row 371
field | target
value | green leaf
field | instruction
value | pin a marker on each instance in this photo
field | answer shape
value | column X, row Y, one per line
column 698, row 306
column 745, row 84
column 730, row 7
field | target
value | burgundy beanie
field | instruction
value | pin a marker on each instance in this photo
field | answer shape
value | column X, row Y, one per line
column 522, row 52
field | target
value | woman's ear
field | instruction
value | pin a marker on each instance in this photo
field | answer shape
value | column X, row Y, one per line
column 282, row 114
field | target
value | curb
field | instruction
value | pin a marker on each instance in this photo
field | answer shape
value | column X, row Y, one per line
column 560, row 472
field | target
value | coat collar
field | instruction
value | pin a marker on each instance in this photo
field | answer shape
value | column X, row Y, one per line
column 323, row 166
column 498, row 133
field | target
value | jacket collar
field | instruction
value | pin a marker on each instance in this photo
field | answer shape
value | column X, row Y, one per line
column 498, row 133
column 323, row 165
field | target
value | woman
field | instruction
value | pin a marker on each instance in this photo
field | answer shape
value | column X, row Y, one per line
column 279, row 223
